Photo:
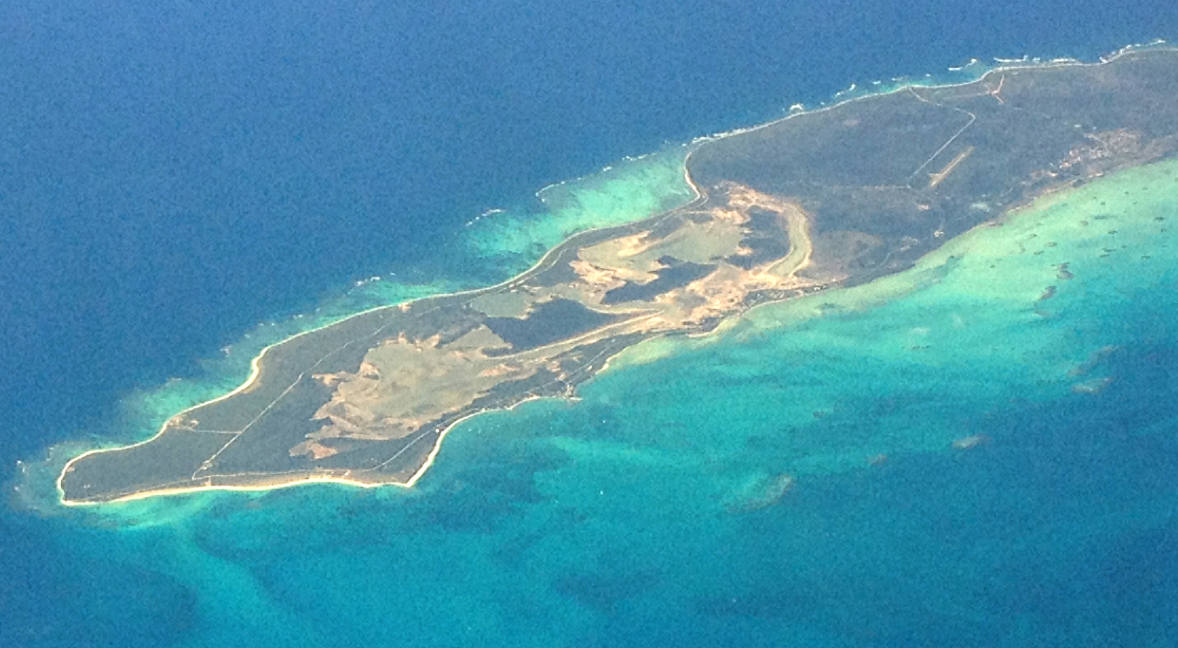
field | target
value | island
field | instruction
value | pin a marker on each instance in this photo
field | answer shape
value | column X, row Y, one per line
column 818, row 200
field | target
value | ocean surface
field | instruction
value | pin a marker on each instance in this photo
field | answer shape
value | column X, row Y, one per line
column 184, row 183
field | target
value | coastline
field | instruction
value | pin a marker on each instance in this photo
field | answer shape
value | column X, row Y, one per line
column 307, row 479
column 256, row 365
column 1005, row 65
column 256, row 368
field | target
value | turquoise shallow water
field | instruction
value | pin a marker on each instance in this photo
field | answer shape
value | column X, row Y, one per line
column 175, row 173
column 651, row 511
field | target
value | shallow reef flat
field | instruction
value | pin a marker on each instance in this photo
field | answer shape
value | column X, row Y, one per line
column 814, row 202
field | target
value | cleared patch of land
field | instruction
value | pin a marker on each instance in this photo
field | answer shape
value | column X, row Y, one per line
column 819, row 200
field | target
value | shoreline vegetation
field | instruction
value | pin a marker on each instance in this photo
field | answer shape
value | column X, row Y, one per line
column 767, row 223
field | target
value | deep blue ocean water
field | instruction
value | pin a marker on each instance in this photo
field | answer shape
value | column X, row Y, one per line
column 172, row 174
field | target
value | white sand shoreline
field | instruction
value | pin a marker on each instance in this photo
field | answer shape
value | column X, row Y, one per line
column 692, row 147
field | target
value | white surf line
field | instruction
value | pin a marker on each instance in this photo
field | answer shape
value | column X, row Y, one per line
column 208, row 463
column 605, row 365
column 1007, row 65
column 256, row 361
column 799, row 219
column 413, row 442
column 255, row 372
column 437, row 447
column 528, row 396
column 293, row 479
column 986, row 89
column 552, row 255
column 701, row 197
column 441, row 432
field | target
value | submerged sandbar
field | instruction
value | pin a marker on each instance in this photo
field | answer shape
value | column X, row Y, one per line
column 819, row 200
